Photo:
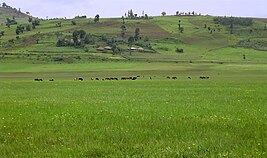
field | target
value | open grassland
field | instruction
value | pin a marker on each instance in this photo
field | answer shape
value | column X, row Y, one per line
column 133, row 119
column 23, row 69
column 153, row 116
column 224, row 116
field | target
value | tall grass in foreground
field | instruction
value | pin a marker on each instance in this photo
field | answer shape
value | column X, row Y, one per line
column 133, row 119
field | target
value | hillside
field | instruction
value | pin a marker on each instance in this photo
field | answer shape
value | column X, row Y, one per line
column 10, row 13
column 159, row 39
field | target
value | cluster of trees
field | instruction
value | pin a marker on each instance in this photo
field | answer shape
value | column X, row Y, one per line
column 193, row 13
column 20, row 29
column 233, row 21
column 35, row 23
column 211, row 30
column 4, row 5
column 11, row 22
column 131, row 15
column 81, row 17
column 78, row 39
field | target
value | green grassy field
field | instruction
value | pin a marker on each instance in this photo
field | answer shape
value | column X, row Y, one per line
column 223, row 116
column 133, row 119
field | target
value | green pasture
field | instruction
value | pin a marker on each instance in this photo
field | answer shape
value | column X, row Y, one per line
column 133, row 119
column 223, row 116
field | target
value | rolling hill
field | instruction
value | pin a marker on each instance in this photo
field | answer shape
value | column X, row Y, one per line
column 11, row 13
column 202, row 39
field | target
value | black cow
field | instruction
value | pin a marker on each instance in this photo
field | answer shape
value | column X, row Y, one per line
column 134, row 78
column 38, row 79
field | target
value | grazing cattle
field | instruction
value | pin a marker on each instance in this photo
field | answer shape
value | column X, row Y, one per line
column 168, row 77
column 97, row 79
column 80, row 79
column 51, row 80
column 150, row 78
column 127, row 78
column 205, row 77
column 92, row 79
column 189, row 78
column 174, row 78
column 138, row 76
column 38, row 79
column 134, row 78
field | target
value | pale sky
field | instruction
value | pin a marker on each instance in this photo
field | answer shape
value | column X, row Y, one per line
column 117, row 8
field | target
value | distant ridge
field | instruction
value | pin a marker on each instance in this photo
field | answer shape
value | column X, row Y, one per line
column 12, row 12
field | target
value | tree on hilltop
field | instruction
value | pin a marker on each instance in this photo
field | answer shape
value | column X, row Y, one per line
column 4, row 5
column 96, row 18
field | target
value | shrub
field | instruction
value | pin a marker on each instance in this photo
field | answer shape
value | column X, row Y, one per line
column 178, row 50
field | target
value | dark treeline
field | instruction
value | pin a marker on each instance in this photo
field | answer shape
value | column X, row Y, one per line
column 233, row 21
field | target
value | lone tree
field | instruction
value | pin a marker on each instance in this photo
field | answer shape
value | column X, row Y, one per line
column 20, row 29
column 30, row 19
column 4, row 5
column 73, row 22
column 137, row 34
column 130, row 43
column 179, row 25
column 123, row 20
column 180, row 28
column 130, row 14
column 2, row 33
column 59, row 24
column 78, row 37
column 96, row 18
column 123, row 30
column 231, row 25
column 163, row 13
column 115, row 49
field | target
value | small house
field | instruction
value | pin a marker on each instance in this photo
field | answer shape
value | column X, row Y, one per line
column 107, row 48
column 132, row 49
column 140, row 49
column 100, row 49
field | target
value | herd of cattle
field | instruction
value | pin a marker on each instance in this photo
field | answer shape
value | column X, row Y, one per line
column 122, row 78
